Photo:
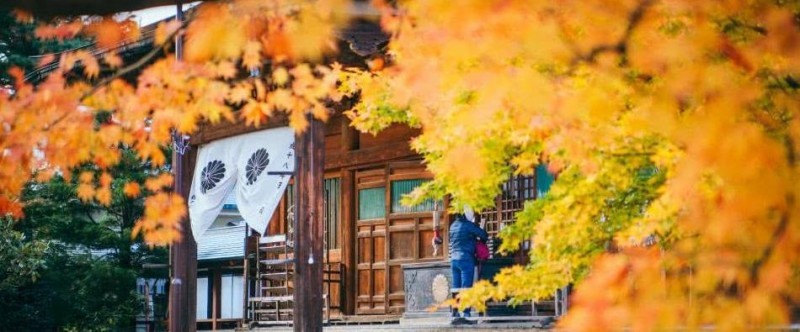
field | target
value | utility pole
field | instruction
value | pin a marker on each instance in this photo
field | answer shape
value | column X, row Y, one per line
column 308, row 230
column 183, row 253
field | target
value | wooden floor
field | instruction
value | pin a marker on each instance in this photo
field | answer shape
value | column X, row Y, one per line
column 394, row 323
column 422, row 327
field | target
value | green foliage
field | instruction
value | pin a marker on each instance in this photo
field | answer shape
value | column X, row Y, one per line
column 23, row 260
column 85, row 273
column 20, row 47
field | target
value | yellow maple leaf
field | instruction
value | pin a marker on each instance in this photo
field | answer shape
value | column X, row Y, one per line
column 280, row 76
column 298, row 120
column 240, row 93
column 225, row 69
column 164, row 30
column 214, row 34
column 112, row 59
column 251, row 58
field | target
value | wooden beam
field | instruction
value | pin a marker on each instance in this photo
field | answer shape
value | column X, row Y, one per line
column 393, row 152
column 310, row 147
column 212, row 132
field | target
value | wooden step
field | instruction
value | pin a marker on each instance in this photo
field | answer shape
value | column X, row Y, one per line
column 283, row 290
column 276, row 249
column 274, row 322
column 283, row 311
column 276, row 276
column 281, row 261
column 272, row 238
column 271, row 298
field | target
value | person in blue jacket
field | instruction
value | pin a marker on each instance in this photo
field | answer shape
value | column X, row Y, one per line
column 463, row 235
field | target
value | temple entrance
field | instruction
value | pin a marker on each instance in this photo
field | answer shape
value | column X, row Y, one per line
column 389, row 235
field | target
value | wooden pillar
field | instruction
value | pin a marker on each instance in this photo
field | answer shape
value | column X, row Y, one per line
column 348, row 241
column 183, row 258
column 350, row 142
column 310, row 147
column 183, row 253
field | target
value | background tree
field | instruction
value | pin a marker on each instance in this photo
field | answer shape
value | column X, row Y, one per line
column 19, row 46
column 85, row 274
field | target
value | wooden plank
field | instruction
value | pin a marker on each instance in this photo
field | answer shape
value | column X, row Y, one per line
column 309, row 232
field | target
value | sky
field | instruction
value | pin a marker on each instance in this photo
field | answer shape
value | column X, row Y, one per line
column 151, row 15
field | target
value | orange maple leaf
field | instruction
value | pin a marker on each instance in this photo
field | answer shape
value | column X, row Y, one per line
column 109, row 33
column 255, row 113
column 86, row 177
column 132, row 189
column 156, row 183
column 103, row 195
column 85, row 192
column 105, row 179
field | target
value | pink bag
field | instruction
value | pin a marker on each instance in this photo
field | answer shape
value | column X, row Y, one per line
column 481, row 251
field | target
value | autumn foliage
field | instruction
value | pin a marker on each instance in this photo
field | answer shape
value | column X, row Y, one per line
column 237, row 56
column 672, row 126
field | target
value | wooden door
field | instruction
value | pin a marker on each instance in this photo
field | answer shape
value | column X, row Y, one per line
column 371, row 242
column 390, row 235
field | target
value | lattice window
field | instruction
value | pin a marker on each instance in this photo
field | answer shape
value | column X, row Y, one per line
column 516, row 191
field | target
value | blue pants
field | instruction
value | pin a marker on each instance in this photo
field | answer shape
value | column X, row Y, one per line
column 463, row 277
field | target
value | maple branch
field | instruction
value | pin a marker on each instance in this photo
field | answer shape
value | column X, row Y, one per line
column 791, row 158
column 621, row 46
column 139, row 63
column 123, row 71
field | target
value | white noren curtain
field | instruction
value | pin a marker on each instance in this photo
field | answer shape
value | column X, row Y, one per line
column 241, row 163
